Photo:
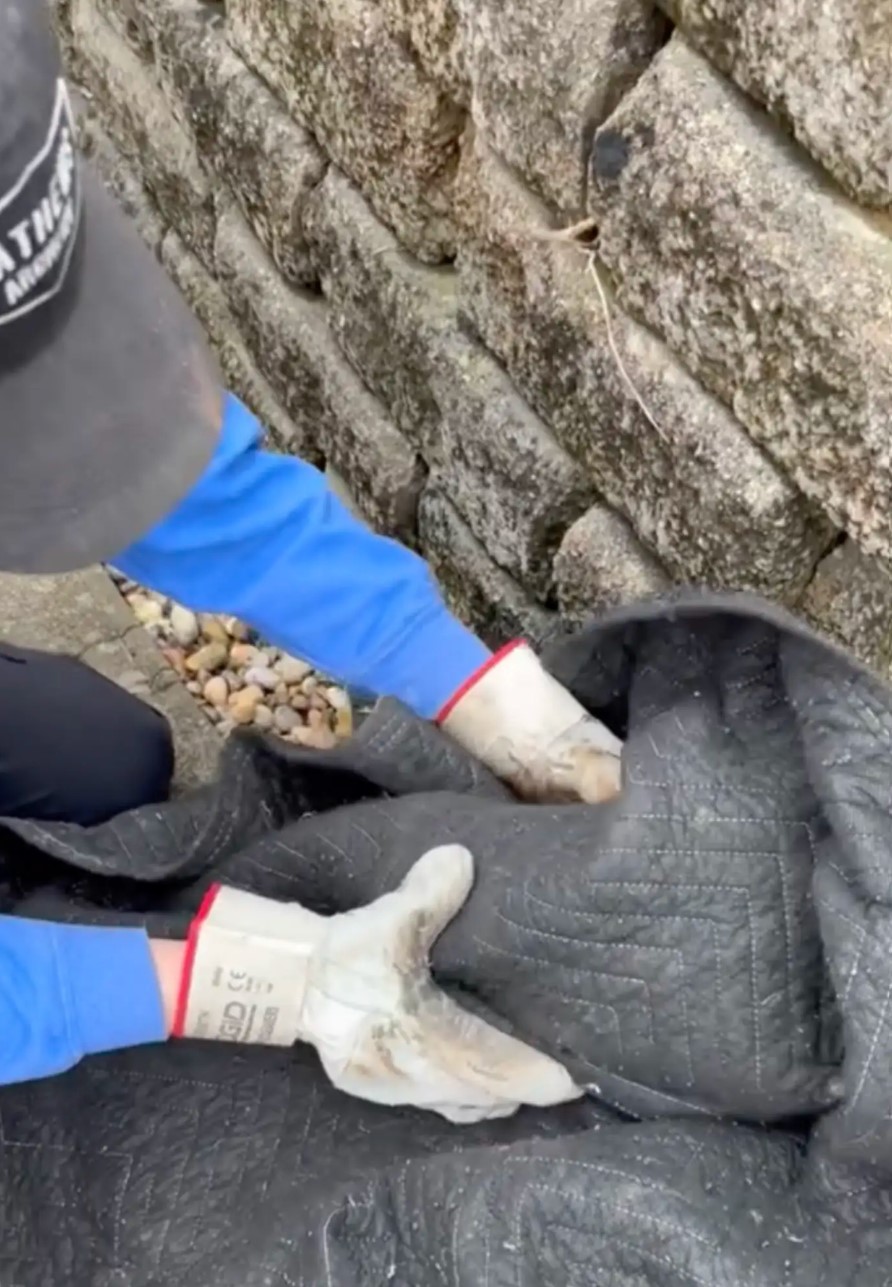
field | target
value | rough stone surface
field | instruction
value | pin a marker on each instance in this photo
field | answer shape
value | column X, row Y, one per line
column 698, row 382
column 83, row 615
column 239, row 368
column 117, row 175
column 601, row 564
column 512, row 483
column 128, row 18
column 289, row 333
column 338, row 68
column 476, row 588
column 277, row 323
column 546, row 75
column 435, row 30
column 239, row 128
column 538, row 78
column 773, row 289
column 851, row 598
column 60, row 10
column 824, row 69
column 693, row 485
column 138, row 118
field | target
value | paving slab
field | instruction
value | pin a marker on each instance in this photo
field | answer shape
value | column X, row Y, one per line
column 83, row 614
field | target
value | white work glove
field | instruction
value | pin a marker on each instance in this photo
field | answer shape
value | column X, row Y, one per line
column 524, row 726
column 357, row 986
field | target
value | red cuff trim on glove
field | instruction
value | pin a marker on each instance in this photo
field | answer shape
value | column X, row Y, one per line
column 475, row 678
column 204, row 911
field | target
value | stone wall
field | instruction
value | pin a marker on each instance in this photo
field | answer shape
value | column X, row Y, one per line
column 366, row 203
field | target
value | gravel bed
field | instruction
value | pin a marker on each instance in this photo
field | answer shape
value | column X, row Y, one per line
column 238, row 679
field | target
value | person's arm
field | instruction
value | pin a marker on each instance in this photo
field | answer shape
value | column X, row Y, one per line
column 168, row 959
column 355, row 985
column 263, row 538
column 67, row 991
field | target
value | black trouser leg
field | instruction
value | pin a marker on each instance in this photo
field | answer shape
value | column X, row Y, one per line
column 75, row 747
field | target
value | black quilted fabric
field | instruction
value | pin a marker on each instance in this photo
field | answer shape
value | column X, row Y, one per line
column 711, row 955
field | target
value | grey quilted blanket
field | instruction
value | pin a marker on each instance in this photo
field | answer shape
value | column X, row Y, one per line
column 711, row 955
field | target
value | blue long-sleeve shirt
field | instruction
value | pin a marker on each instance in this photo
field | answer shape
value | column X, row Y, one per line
column 260, row 537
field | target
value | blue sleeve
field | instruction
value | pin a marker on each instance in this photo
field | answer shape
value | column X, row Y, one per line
column 70, row 990
column 261, row 537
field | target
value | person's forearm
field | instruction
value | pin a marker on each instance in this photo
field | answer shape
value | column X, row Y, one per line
column 168, row 957
column 263, row 538
column 67, row 991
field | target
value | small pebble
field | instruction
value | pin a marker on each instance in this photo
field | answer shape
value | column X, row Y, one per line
column 286, row 720
column 236, row 629
column 194, row 687
column 216, row 691
column 263, row 676
column 321, row 739
column 147, row 611
column 263, row 717
column 309, row 685
column 244, row 654
column 235, row 679
column 291, row 670
column 214, row 630
column 243, row 704
column 298, row 701
column 318, row 702
column 343, row 725
column 280, row 695
column 212, row 656
column 337, row 698
column 177, row 658
column 183, row 625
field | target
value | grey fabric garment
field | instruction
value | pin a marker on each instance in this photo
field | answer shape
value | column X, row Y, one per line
column 710, row 955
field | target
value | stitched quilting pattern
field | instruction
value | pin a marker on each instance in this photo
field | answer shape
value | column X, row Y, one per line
column 711, row 955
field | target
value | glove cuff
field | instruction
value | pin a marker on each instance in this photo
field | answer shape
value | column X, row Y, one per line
column 245, row 970
column 511, row 701
column 473, row 680
column 523, row 724
column 178, row 1028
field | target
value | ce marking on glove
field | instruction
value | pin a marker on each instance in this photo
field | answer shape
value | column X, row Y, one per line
column 240, row 981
